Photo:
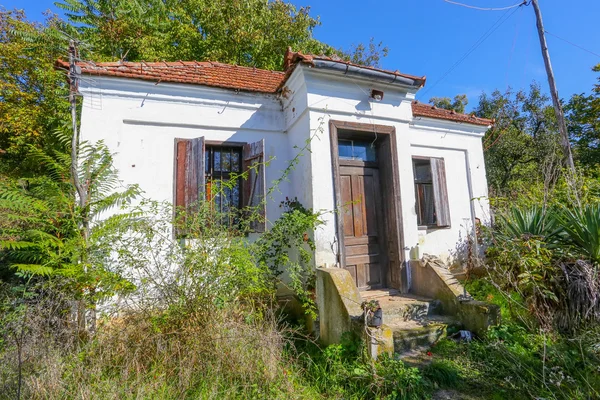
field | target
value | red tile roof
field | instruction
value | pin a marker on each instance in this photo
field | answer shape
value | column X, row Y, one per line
column 292, row 58
column 199, row 73
column 429, row 111
column 245, row 78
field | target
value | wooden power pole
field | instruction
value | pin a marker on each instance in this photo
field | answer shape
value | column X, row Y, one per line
column 558, row 111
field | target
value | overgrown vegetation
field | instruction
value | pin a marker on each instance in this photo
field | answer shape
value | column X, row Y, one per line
column 197, row 317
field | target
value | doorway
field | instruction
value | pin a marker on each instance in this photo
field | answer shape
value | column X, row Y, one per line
column 368, row 204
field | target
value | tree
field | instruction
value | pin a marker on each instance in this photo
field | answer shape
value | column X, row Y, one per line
column 583, row 120
column 253, row 33
column 522, row 148
column 370, row 54
column 458, row 104
column 41, row 233
column 33, row 93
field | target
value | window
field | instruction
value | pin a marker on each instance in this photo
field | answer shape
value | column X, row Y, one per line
column 431, row 195
column 223, row 183
column 211, row 172
column 356, row 150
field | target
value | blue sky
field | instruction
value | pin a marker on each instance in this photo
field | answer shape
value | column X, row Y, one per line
column 427, row 37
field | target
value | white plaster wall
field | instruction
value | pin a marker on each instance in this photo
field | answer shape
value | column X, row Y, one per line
column 332, row 97
column 298, row 134
column 139, row 122
column 466, row 184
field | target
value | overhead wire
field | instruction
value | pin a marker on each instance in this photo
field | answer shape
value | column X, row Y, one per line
column 572, row 44
column 474, row 47
column 486, row 142
column 485, row 8
column 512, row 50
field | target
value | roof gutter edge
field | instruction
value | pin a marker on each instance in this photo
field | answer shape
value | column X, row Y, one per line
column 368, row 73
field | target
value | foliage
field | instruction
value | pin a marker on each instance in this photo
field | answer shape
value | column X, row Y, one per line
column 458, row 104
column 253, row 33
column 288, row 247
column 345, row 371
column 549, row 259
column 33, row 100
column 584, row 126
column 521, row 149
column 214, row 267
column 534, row 221
column 369, row 54
column 41, row 235
column 581, row 226
column 524, row 265
column 514, row 363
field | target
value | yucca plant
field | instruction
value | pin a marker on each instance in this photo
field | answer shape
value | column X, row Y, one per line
column 536, row 221
column 581, row 230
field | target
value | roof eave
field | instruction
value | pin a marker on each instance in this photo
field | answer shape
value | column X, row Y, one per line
column 351, row 70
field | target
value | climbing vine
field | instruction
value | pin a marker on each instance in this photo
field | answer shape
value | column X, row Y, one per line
column 288, row 246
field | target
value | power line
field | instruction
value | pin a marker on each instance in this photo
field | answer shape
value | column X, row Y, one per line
column 474, row 47
column 486, row 9
column 572, row 44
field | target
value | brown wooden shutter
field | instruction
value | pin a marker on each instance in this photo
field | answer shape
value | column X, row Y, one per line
column 440, row 192
column 254, row 186
column 189, row 173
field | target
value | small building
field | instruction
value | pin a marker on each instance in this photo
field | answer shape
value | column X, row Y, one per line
column 404, row 177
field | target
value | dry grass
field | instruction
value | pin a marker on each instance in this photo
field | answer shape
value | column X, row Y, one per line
column 212, row 354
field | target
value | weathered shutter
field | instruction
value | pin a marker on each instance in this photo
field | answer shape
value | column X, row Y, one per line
column 254, row 186
column 189, row 173
column 440, row 192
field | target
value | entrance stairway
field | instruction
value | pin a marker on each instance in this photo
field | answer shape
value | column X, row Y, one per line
column 416, row 322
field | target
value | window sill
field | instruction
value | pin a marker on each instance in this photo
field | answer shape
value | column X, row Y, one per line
column 432, row 228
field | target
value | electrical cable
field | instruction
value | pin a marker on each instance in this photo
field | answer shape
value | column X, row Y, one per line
column 474, row 47
column 572, row 44
column 512, row 51
column 485, row 9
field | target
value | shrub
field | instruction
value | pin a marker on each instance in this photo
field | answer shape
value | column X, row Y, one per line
column 581, row 230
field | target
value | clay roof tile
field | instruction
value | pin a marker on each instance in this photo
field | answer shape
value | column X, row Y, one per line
column 429, row 111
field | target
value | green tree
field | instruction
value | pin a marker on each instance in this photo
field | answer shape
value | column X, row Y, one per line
column 458, row 104
column 251, row 32
column 366, row 54
column 583, row 120
column 33, row 94
column 43, row 232
column 521, row 148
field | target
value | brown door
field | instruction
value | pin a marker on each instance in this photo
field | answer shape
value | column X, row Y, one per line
column 363, row 229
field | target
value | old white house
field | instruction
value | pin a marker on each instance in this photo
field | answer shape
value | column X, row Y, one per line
column 410, row 176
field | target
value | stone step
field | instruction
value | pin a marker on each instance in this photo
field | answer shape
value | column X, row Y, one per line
column 397, row 308
column 410, row 335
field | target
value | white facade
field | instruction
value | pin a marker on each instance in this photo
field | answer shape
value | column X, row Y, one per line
column 139, row 121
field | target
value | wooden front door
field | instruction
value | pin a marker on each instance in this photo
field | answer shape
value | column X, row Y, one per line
column 362, row 224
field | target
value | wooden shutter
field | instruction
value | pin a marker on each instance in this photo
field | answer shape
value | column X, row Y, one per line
column 189, row 173
column 440, row 192
column 254, row 186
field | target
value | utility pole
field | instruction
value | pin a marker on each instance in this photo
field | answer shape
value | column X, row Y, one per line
column 558, row 111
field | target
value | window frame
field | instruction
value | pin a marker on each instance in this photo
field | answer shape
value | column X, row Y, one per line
column 210, row 174
column 440, row 193
column 190, row 177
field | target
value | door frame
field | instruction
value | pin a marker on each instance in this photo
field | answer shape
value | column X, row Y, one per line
column 394, row 272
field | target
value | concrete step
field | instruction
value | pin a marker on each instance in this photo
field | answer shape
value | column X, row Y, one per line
column 398, row 308
column 413, row 335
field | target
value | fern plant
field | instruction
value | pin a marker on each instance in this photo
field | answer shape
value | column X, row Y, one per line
column 44, row 233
